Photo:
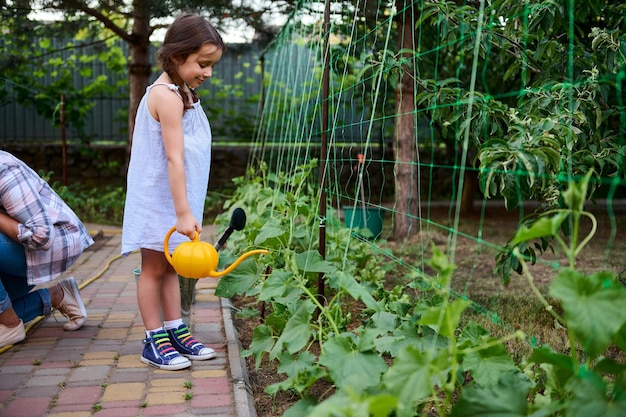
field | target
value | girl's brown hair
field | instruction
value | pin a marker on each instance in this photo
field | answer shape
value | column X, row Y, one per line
column 186, row 35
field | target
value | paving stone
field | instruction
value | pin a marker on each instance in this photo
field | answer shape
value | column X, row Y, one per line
column 211, row 386
column 45, row 380
column 169, row 397
column 90, row 373
column 96, row 371
column 166, row 410
column 27, row 407
column 217, row 400
column 124, row 392
column 5, row 394
column 79, row 395
column 117, row 412
column 32, row 392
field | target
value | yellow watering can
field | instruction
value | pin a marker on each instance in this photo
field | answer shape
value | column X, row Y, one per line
column 197, row 259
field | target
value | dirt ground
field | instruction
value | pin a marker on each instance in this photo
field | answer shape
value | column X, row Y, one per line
column 473, row 250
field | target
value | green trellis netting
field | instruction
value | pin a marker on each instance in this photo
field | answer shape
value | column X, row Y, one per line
column 432, row 120
column 454, row 106
column 453, row 138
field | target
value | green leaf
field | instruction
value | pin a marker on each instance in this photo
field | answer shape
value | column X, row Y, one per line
column 545, row 226
column 610, row 366
column 240, row 280
column 407, row 335
column 85, row 72
column 474, row 333
column 312, row 261
column 441, row 263
column 271, row 230
column 297, row 331
column 381, row 405
column 513, row 69
column 413, row 376
column 302, row 408
column 346, row 281
column 507, row 399
column 510, row 189
column 591, row 399
column 552, row 157
column 620, row 338
column 301, row 371
column 262, row 342
column 558, row 368
column 383, row 321
column 487, row 365
column 527, row 160
column 350, row 368
column 545, row 355
column 292, row 364
column 593, row 305
column 576, row 193
column 447, row 323
column 277, row 320
column 275, row 285
column 426, row 14
column 343, row 404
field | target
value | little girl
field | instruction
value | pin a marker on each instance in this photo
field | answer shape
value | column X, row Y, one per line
column 167, row 183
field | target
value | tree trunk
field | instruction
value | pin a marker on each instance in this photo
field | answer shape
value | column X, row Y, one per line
column 140, row 66
column 405, row 140
column 139, row 71
column 470, row 188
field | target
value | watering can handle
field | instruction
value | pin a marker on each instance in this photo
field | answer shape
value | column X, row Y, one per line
column 167, row 240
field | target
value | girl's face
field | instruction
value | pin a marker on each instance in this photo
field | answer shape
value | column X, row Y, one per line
column 199, row 66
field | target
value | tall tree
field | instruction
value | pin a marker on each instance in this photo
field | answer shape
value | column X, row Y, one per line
column 531, row 92
column 41, row 62
column 135, row 22
column 405, row 143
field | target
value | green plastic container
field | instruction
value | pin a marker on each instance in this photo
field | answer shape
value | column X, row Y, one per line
column 369, row 226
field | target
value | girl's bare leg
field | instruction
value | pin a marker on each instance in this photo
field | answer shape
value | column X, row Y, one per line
column 154, row 289
column 170, row 295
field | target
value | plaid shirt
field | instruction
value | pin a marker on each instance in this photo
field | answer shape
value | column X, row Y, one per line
column 53, row 236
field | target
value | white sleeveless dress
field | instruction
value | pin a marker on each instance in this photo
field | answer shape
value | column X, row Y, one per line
column 149, row 209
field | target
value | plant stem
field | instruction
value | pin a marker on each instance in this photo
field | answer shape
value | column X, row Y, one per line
column 518, row 334
column 323, row 310
column 594, row 226
column 548, row 306
column 534, row 289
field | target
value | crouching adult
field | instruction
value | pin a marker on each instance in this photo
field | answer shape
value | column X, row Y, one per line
column 40, row 238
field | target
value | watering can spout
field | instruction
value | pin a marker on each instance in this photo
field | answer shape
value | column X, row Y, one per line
column 217, row 274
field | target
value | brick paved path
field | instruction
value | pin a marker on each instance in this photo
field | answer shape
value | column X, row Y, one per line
column 96, row 371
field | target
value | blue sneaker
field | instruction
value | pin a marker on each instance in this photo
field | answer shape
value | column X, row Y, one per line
column 188, row 346
column 159, row 352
